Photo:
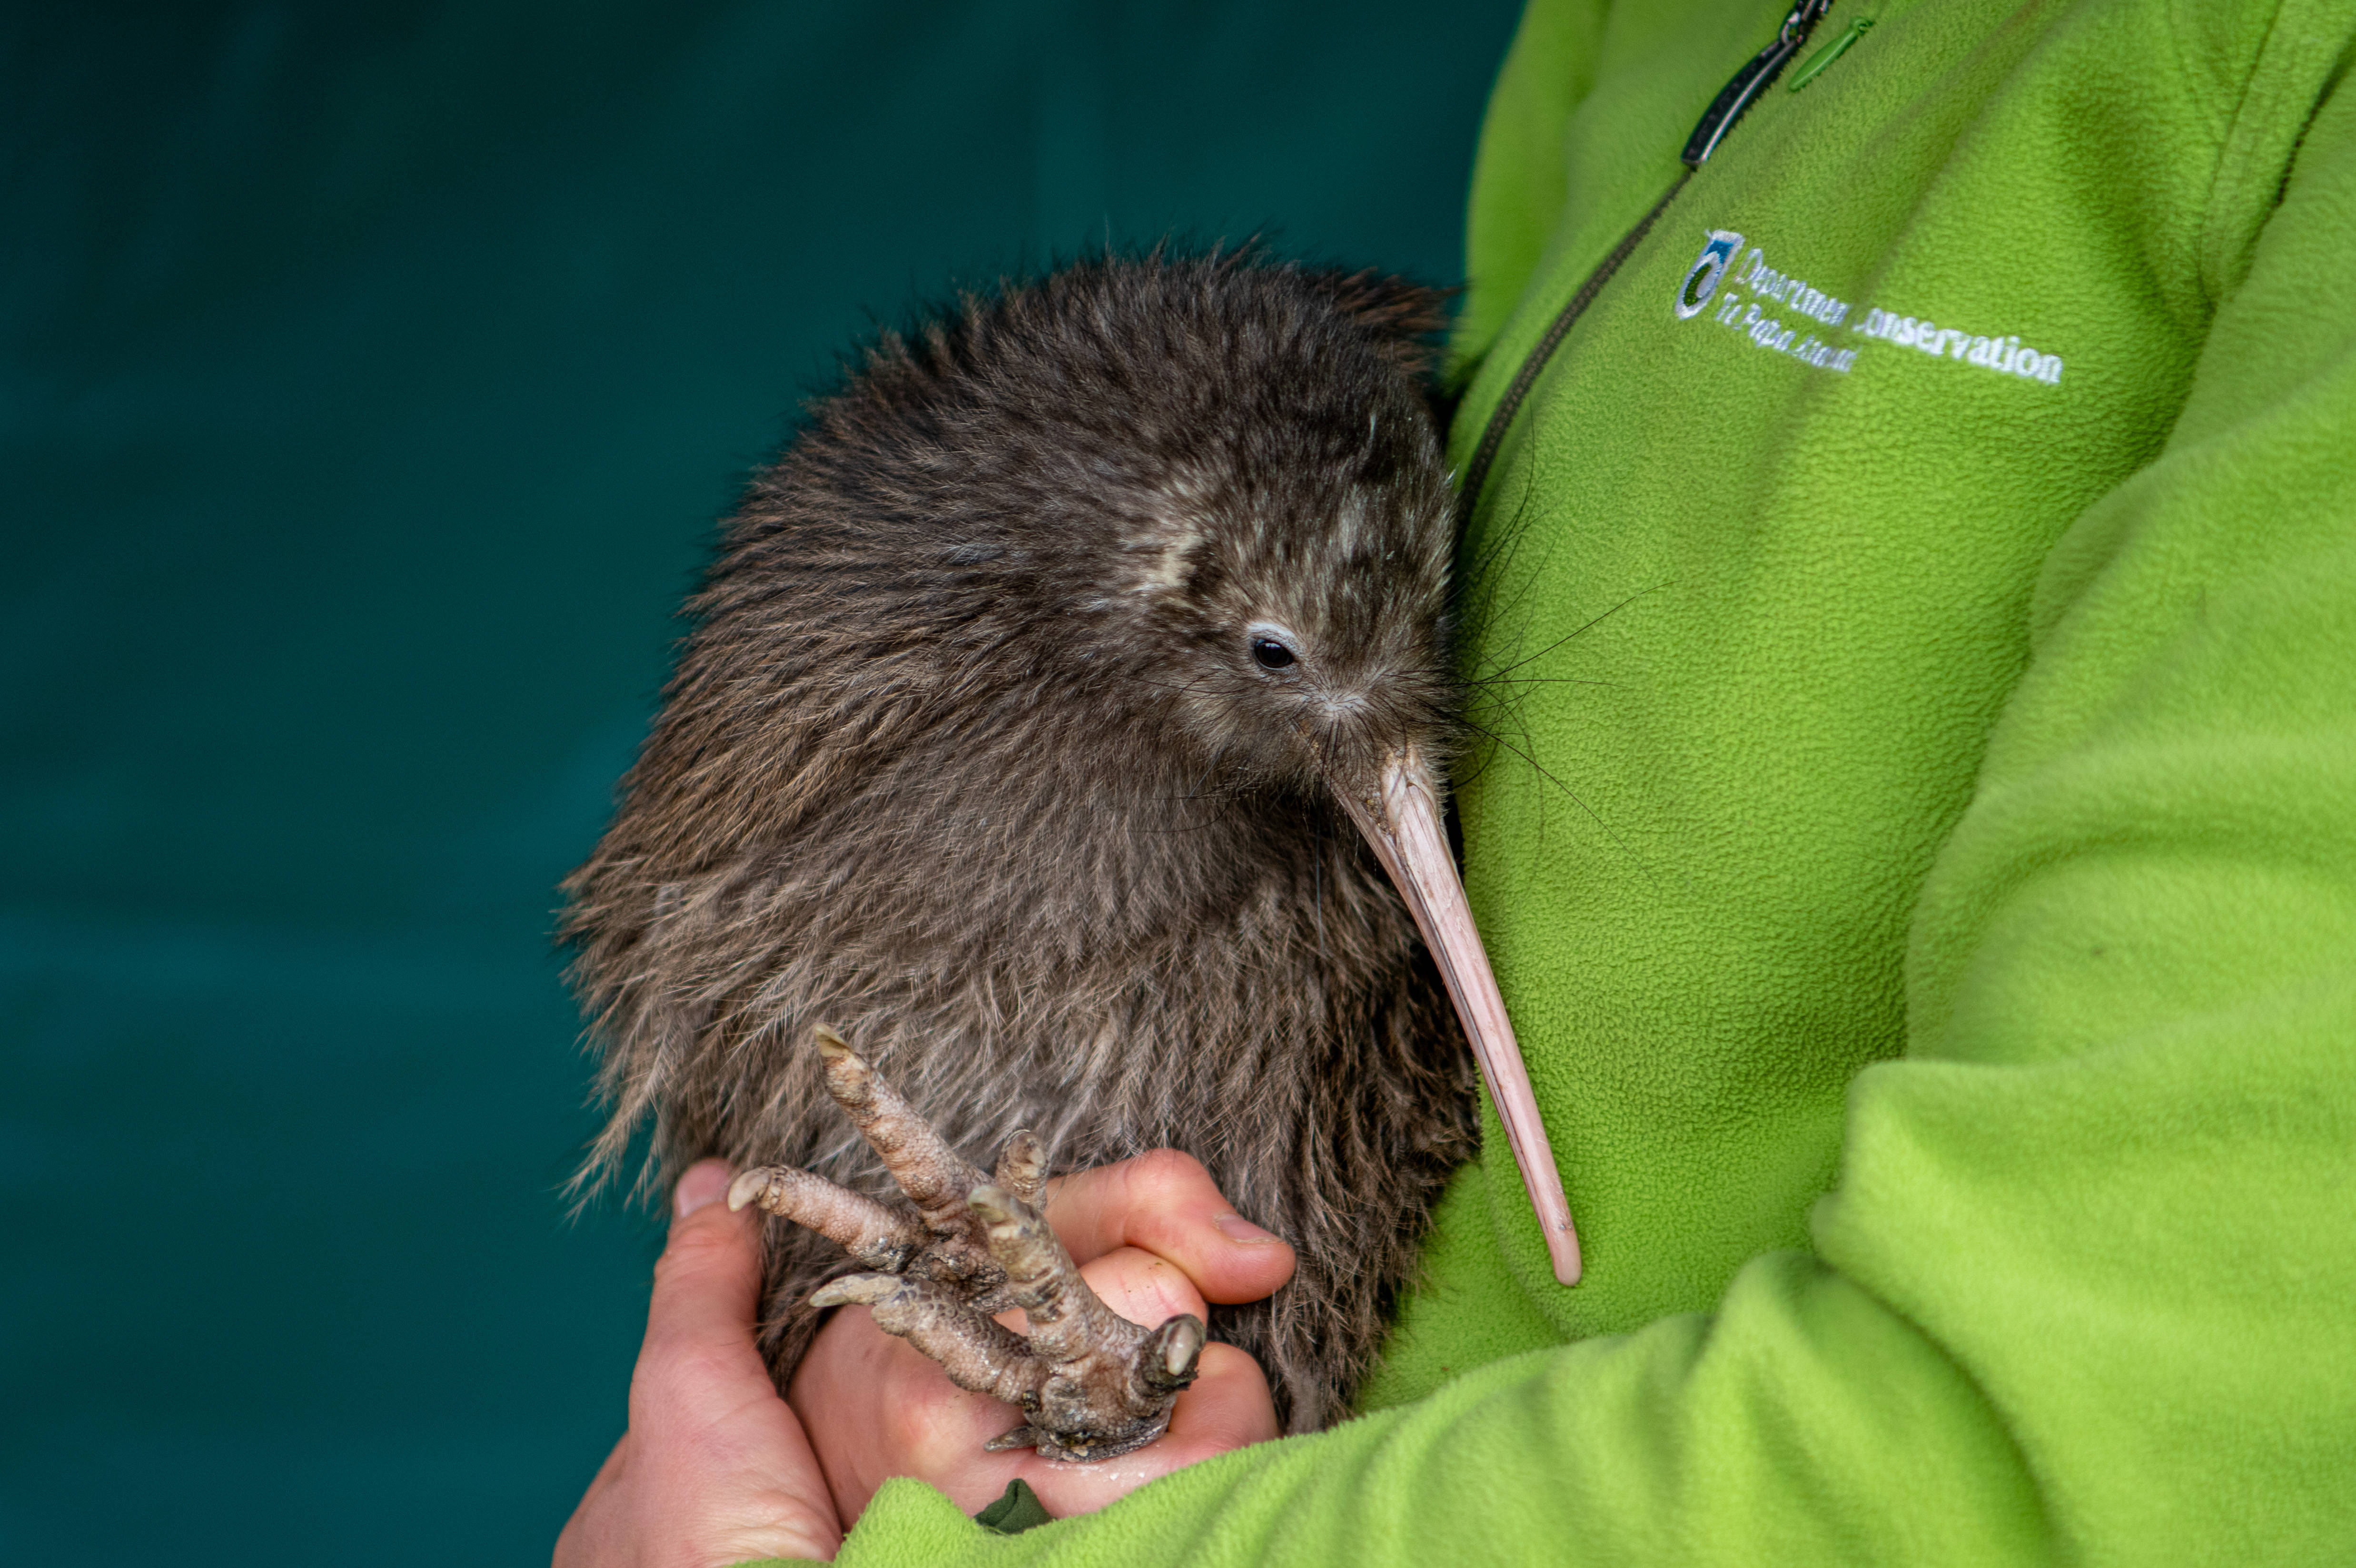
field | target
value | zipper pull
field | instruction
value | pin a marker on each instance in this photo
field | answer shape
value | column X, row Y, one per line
column 1808, row 70
column 1751, row 80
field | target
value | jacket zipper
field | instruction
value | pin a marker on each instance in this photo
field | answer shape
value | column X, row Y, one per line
column 1747, row 84
column 1742, row 90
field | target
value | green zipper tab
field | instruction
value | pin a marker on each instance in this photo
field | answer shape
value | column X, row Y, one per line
column 1808, row 70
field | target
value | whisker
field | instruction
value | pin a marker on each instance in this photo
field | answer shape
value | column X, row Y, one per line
column 1581, row 631
column 1569, row 794
column 1510, row 534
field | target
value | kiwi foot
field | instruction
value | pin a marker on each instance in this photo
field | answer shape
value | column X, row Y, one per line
column 1091, row 1384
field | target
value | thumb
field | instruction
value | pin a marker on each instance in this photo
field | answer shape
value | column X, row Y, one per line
column 714, row 1468
column 706, row 1299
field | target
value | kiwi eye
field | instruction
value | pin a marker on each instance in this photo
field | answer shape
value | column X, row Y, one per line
column 1269, row 653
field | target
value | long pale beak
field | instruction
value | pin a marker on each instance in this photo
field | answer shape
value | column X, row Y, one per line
column 1403, row 824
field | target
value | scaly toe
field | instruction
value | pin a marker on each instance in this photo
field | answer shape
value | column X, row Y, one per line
column 861, row 1289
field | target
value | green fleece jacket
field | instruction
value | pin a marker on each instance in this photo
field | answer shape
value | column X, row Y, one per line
column 1915, row 609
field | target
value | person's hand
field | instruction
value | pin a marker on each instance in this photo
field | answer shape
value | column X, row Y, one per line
column 714, row 1469
column 1154, row 1238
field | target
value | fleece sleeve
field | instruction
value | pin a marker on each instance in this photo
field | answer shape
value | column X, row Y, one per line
column 2083, row 1291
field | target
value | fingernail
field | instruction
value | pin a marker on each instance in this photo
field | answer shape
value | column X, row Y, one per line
column 705, row 1183
column 1242, row 1231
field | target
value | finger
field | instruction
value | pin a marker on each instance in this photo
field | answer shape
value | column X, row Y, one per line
column 1166, row 1203
column 706, row 1297
column 1146, row 1289
column 1228, row 1406
column 703, row 1183
column 877, row 1407
column 713, row 1461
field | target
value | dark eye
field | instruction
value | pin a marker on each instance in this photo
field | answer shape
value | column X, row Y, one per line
column 1270, row 653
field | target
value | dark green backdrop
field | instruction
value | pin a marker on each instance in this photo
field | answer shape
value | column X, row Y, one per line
column 372, row 376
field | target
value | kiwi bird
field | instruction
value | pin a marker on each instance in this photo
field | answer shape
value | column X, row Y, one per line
column 1063, row 725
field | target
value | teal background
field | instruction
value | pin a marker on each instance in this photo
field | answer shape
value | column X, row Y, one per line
column 372, row 376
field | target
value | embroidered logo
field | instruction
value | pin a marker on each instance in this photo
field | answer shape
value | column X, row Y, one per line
column 1701, row 278
column 1781, row 314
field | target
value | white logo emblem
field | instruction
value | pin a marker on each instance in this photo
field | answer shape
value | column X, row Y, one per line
column 1701, row 279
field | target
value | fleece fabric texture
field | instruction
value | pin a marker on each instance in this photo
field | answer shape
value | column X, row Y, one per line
column 1915, row 610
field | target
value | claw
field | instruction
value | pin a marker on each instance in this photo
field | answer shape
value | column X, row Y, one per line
column 1022, row 1166
column 753, row 1186
column 1171, row 1354
column 1022, row 1437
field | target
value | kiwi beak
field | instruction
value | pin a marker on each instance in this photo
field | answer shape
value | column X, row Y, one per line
column 1400, row 817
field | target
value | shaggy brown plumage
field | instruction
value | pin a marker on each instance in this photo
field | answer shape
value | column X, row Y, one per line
column 1005, row 741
